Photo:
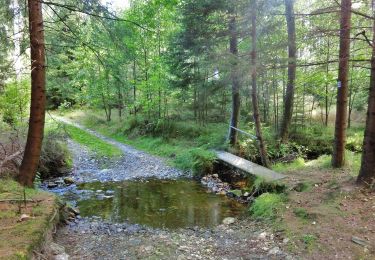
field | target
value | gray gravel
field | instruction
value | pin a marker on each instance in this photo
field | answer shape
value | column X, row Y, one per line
column 134, row 164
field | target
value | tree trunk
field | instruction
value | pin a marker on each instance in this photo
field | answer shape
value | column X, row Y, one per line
column 33, row 147
column 236, row 101
column 135, row 88
column 289, row 96
column 367, row 172
column 338, row 158
column 258, row 126
column 326, row 84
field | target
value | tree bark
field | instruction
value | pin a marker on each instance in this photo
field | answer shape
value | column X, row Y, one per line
column 338, row 158
column 326, row 84
column 367, row 172
column 236, row 101
column 34, row 141
column 254, row 97
column 292, row 49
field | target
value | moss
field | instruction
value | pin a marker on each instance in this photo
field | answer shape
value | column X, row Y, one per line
column 20, row 239
column 267, row 205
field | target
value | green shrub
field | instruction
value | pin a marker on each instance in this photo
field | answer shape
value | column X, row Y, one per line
column 267, row 205
column 14, row 102
column 260, row 185
column 55, row 159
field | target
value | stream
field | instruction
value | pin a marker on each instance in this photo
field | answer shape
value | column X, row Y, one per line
column 137, row 207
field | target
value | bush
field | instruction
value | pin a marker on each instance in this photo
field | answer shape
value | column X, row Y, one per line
column 198, row 160
column 55, row 159
column 267, row 205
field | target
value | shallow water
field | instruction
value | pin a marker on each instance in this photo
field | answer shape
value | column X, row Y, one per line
column 154, row 203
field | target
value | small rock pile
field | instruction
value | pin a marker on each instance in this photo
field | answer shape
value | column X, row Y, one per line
column 214, row 184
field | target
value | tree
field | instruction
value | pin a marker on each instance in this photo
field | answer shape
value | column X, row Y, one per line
column 338, row 158
column 236, row 100
column 254, row 94
column 289, row 96
column 367, row 172
column 33, row 147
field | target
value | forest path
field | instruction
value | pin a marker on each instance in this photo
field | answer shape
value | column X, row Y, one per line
column 134, row 164
column 94, row 238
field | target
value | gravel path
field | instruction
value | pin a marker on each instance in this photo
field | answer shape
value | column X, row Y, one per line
column 93, row 238
column 134, row 164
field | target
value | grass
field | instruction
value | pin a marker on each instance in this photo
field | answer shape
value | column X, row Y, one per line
column 310, row 241
column 19, row 239
column 267, row 205
column 299, row 163
column 187, row 146
column 93, row 143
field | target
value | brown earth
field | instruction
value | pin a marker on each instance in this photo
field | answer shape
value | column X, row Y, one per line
column 324, row 221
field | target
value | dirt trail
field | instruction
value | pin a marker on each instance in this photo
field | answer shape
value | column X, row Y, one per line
column 92, row 238
column 133, row 164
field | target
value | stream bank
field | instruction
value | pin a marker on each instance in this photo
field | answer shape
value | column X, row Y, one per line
column 97, row 237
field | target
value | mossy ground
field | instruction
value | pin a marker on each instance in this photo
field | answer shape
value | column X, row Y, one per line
column 325, row 209
column 18, row 239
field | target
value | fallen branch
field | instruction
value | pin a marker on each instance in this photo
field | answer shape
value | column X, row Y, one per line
column 9, row 158
column 19, row 200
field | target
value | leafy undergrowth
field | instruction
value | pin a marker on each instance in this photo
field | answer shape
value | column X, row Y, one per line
column 95, row 144
column 18, row 239
column 325, row 210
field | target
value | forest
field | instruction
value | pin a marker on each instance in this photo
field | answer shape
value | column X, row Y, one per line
column 187, row 129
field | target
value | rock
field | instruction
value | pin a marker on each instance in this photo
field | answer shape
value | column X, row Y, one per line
column 56, row 249
column 75, row 211
column 229, row 221
column 262, row 236
column 181, row 257
column 69, row 181
column 285, row 240
column 24, row 217
column 52, row 185
column 360, row 241
column 63, row 256
column 215, row 176
column 246, row 194
column 274, row 251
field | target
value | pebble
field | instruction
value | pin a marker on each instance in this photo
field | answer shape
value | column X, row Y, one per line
column 229, row 221
column 274, row 251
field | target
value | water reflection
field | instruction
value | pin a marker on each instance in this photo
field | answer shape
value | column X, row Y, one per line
column 156, row 203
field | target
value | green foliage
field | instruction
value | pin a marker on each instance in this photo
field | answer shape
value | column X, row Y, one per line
column 303, row 214
column 260, row 185
column 316, row 139
column 100, row 147
column 309, row 240
column 14, row 102
column 303, row 187
column 267, row 205
column 297, row 164
column 55, row 159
